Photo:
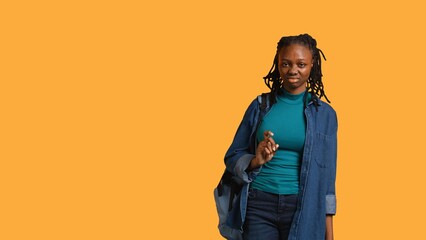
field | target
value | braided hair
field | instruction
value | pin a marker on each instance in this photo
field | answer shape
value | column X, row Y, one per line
column 314, row 84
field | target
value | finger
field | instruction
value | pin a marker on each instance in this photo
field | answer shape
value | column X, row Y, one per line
column 261, row 146
column 267, row 151
column 267, row 134
column 269, row 147
column 272, row 141
column 269, row 157
column 268, row 137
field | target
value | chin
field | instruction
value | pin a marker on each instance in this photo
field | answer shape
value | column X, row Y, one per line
column 294, row 86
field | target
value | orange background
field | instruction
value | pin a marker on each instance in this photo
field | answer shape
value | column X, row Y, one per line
column 116, row 114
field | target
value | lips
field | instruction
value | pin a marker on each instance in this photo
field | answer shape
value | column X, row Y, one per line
column 292, row 79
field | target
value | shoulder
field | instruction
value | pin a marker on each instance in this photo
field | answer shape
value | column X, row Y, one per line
column 327, row 108
column 260, row 103
column 323, row 112
column 327, row 113
column 253, row 108
column 260, row 99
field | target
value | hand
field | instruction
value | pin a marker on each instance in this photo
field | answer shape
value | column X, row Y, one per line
column 265, row 150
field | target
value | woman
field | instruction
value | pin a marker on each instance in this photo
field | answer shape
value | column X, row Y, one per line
column 286, row 152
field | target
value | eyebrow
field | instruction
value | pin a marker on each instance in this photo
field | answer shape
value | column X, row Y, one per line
column 284, row 59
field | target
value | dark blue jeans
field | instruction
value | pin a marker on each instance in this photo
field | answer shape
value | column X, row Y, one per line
column 268, row 216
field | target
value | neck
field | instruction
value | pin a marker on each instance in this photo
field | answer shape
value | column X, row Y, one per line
column 295, row 90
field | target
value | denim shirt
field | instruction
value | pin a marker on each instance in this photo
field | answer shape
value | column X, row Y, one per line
column 317, row 174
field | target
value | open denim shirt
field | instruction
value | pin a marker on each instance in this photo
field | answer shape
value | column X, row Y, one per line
column 317, row 174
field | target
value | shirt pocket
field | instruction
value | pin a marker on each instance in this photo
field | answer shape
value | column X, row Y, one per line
column 322, row 149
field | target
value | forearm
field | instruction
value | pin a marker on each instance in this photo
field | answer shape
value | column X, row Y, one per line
column 253, row 165
column 329, row 227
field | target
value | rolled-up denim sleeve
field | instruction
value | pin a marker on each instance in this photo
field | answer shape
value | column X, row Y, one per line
column 330, row 201
column 241, row 165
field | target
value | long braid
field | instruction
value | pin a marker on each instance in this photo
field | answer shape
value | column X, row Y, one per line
column 314, row 84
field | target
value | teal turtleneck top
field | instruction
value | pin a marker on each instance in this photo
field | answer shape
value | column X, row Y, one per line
column 286, row 120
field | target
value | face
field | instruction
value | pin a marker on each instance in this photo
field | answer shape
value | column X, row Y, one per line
column 295, row 63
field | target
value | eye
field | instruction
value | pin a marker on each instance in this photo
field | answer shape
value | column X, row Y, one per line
column 284, row 64
column 302, row 65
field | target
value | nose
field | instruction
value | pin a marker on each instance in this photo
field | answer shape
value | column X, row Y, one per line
column 293, row 70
